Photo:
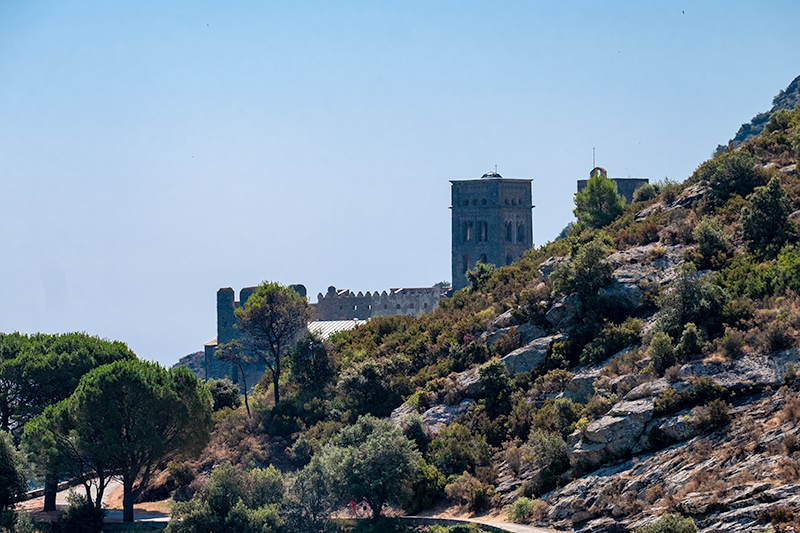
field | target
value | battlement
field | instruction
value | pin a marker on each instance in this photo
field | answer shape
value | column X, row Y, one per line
column 344, row 304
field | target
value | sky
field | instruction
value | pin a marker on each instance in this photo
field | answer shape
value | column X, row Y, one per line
column 152, row 152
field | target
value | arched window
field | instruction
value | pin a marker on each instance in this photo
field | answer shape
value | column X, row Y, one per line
column 483, row 201
column 508, row 259
column 467, row 231
column 521, row 233
column 482, row 259
column 466, row 263
column 483, row 231
column 509, row 232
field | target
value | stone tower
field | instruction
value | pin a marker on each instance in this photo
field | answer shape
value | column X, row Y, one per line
column 492, row 222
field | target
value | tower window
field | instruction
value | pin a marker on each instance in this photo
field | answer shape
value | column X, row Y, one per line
column 483, row 231
column 483, row 259
column 483, row 201
column 465, row 263
column 508, row 259
column 509, row 232
column 521, row 233
column 514, row 202
column 467, row 231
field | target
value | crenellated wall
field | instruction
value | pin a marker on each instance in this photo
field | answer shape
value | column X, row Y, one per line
column 344, row 304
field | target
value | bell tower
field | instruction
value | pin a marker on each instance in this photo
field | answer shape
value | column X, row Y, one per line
column 492, row 221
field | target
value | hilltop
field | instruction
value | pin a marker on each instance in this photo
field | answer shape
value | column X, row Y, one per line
column 787, row 99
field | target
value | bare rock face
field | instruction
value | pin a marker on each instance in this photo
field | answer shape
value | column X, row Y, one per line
column 469, row 383
column 524, row 332
column 399, row 413
column 637, row 268
column 442, row 415
column 530, row 356
column 564, row 312
column 745, row 372
column 581, row 386
column 675, row 428
column 548, row 265
column 612, row 436
column 689, row 194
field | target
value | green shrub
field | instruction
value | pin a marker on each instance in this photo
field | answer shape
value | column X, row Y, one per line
column 548, row 456
column 469, row 490
column 456, row 449
column 669, row 523
column 585, row 274
column 644, row 193
column 691, row 343
column 661, row 352
column 597, row 406
column 670, row 400
column 713, row 245
column 81, row 516
column 691, row 298
column 711, row 416
column 427, row 486
column 729, row 174
column 224, row 392
column 611, row 339
column 706, row 389
column 765, row 221
column 521, row 510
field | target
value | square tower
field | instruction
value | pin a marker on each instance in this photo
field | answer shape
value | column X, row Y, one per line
column 492, row 222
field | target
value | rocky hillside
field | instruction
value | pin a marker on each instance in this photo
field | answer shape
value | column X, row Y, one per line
column 632, row 368
column 652, row 363
column 787, row 99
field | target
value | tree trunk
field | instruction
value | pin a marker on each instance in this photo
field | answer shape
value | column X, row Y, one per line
column 276, row 377
column 50, row 489
column 127, row 498
column 244, row 386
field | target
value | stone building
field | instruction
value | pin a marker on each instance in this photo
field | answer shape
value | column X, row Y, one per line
column 625, row 186
column 492, row 221
column 337, row 310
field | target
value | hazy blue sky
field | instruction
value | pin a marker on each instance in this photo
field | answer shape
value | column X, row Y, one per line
column 152, row 152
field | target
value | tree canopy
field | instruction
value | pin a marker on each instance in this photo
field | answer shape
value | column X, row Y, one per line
column 599, row 203
column 372, row 459
column 123, row 419
column 765, row 222
column 12, row 482
column 39, row 370
column 270, row 322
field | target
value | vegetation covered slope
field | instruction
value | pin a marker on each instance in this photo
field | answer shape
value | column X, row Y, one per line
column 631, row 369
column 787, row 100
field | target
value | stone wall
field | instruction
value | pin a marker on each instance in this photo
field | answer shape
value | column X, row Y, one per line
column 625, row 186
column 345, row 305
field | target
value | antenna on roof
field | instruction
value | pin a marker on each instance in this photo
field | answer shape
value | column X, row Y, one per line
column 593, row 165
column 495, row 169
